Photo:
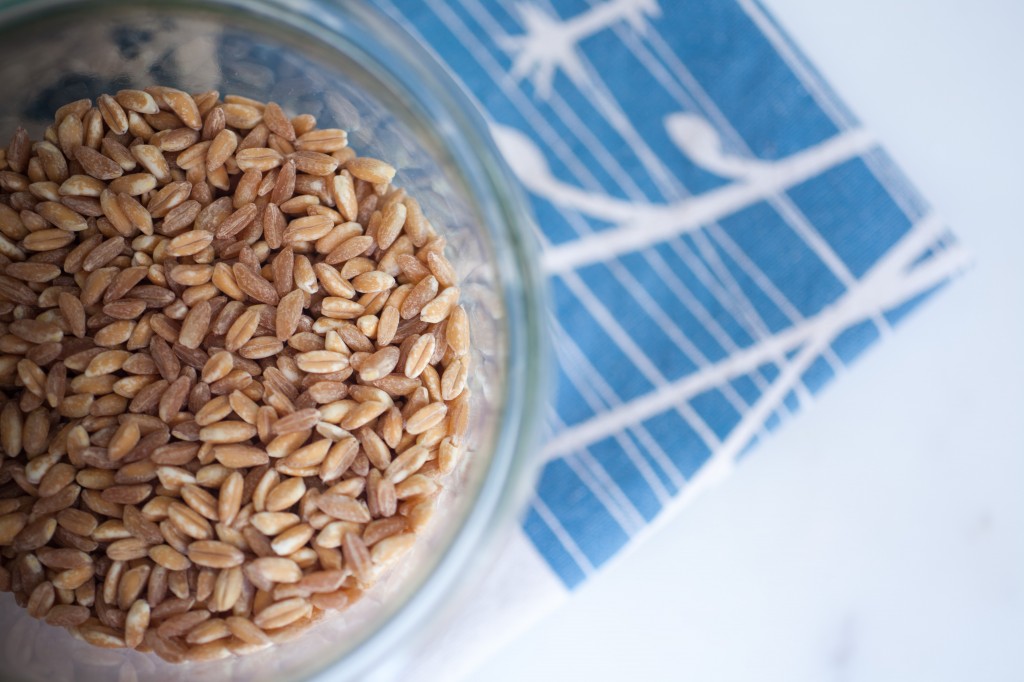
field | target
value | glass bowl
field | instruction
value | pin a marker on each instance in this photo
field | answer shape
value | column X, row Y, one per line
column 351, row 67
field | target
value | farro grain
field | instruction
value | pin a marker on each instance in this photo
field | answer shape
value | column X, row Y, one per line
column 168, row 197
column 336, row 600
column 227, row 589
column 187, row 521
column 362, row 414
column 19, row 150
column 152, row 160
column 274, row 523
column 357, row 557
column 283, row 613
column 325, row 140
column 343, row 507
column 205, row 633
column 314, row 163
column 138, row 101
column 339, row 458
column 221, row 148
column 305, row 278
column 285, row 494
column 227, row 432
column 246, row 631
column 261, row 159
column 127, row 494
column 349, row 249
column 10, row 525
column 136, row 623
column 261, row 347
column 67, row 615
column 292, row 539
column 173, row 398
column 131, row 586
column 184, row 107
column 411, row 267
column 344, row 195
column 127, row 549
column 179, row 624
column 407, row 463
column 200, row 500
column 374, row 447
column 96, row 164
column 180, row 217
column 417, row 485
column 205, row 583
column 419, row 296
column 266, row 571
column 82, row 186
column 438, row 309
column 139, row 526
column 379, row 529
column 169, row 558
column 71, row 134
column 215, row 554
column 101, row 636
column 391, row 548
column 371, row 170
column 243, row 406
column 453, row 381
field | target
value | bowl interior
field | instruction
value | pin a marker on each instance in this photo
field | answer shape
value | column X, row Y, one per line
column 52, row 53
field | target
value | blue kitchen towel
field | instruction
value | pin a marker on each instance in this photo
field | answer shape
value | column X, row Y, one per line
column 721, row 237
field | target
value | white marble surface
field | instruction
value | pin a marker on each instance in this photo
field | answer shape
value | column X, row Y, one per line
column 880, row 535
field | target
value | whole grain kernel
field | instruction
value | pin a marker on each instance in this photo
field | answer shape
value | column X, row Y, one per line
column 227, row 432
column 189, row 243
column 291, row 540
column 215, row 554
column 268, row 570
column 285, row 494
column 283, row 613
column 371, row 170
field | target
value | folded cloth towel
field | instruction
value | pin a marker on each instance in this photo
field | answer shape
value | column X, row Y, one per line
column 721, row 237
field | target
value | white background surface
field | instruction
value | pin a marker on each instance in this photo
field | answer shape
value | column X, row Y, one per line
column 880, row 535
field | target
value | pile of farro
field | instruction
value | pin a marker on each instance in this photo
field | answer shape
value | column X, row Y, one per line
column 232, row 369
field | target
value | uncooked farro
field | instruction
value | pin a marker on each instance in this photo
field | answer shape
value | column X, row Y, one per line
column 254, row 352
